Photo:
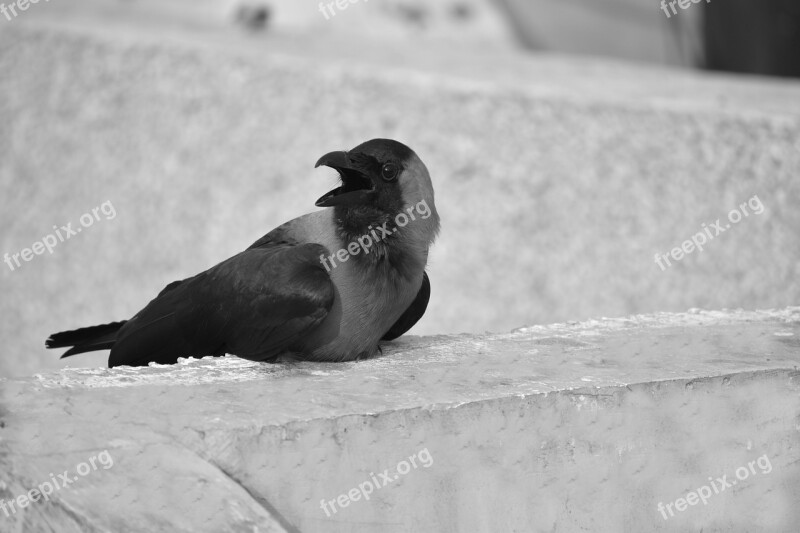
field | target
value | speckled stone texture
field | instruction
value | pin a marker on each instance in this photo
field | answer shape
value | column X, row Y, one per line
column 557, row 178
column 569, row 427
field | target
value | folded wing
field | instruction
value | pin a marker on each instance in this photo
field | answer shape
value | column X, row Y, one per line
column 256, row 305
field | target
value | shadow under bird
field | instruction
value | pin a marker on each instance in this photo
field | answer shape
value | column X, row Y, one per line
column 304, row 290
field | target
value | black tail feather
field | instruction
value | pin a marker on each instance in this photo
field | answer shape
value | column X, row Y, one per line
column 85, row 339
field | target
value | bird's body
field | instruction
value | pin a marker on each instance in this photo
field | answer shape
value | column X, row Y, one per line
column 300, row 290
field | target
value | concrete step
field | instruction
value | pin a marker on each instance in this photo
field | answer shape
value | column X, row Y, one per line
column 632, row 424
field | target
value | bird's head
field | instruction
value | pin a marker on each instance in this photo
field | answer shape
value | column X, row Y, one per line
column 381, row 180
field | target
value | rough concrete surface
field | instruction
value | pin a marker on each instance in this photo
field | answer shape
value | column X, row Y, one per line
column 569, row 427
column 557, row 178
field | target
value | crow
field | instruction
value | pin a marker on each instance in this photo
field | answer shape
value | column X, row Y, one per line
column 326, row 286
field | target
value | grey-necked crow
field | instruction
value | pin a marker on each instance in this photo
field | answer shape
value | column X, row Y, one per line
column 327, row 286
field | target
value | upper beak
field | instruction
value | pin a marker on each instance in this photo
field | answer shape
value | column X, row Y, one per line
column 356, row 186
column 335, row 160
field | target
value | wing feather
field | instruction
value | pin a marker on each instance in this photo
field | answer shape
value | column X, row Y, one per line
column 256, row 305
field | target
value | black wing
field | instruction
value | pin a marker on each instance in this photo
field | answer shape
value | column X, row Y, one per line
column 256, row 305
column 414, row 312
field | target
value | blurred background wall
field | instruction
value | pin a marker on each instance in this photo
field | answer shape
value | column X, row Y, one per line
column 569, row 142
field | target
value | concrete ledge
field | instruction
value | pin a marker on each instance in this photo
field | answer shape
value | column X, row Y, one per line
column 580, row 426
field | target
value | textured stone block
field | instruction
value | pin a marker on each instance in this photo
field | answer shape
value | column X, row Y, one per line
column 568, row 427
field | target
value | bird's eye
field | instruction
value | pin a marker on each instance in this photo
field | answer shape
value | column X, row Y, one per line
column 389, row 171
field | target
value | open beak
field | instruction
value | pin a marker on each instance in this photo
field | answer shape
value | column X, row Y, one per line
column 356, row 185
